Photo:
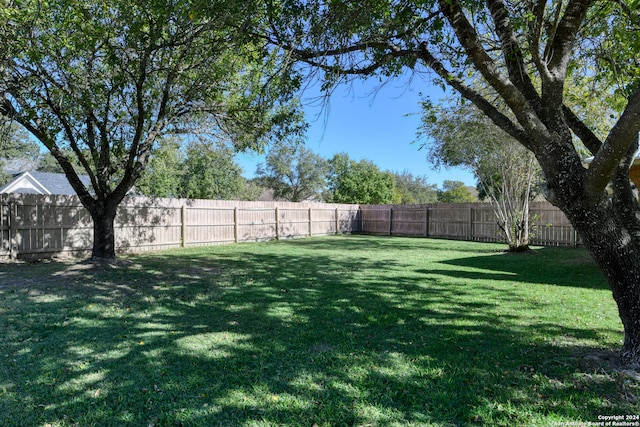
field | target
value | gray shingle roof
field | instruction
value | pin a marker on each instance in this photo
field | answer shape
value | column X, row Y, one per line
column 55, row 183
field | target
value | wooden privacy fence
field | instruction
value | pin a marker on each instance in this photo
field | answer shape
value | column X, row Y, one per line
column 37, row 225
column 464, row 221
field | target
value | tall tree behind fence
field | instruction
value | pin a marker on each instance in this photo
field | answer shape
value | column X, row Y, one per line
column 464, row 221
column 36, row 225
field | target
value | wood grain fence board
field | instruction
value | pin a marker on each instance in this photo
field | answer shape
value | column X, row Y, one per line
column 293, row 222
column 349, row 220
column 375, row 220
column 4, row 227
column 324, row 221
column 36, row 224
column 465, row 221
column 48, row 225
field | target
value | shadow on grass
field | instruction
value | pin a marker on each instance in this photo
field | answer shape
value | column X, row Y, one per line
column 282, row 334
column 368, row 242
column 551, row 266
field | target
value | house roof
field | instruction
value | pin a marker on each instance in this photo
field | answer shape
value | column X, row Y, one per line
column 34, row 182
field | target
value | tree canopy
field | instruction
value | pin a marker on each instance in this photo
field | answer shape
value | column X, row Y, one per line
column 349, row 181
column 411, row 189
column 455, row 192
column 18, row 152
column 163, row 175
column 294, row 172
column 102, row 81
column 210, row 172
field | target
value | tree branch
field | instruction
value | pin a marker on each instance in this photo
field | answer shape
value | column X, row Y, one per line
column 394, row 53
column 7, row 109
column 621, row 137
column 582, row 131
column 623, row 196
column 478, row 100
column 514, row 98
column 81, row 190
column 562, row 41
column 512, row 52
column 559, row 51
column 535, row 36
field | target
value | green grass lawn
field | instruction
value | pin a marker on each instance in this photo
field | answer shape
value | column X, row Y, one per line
column 331, row 331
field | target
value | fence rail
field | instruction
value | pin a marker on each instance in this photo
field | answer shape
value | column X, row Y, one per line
column 464, row 221
column 38, row 226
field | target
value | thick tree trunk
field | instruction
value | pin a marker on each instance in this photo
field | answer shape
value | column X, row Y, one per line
column 610, row 229
column 104, row 247
column 616, row 250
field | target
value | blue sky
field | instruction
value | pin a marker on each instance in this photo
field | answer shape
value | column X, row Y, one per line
column 374, row 123
column 378, row 126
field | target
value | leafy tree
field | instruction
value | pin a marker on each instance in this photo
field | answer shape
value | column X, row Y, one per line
column 210, row 172
column 104, row 80
column 15, row 142
column 203, row 171
column 5, row 177
column 18, row 151
column 358, row 182
column 507, row 173
column 525, row 52
column 412, row 189
column 294, row 172
column 163, row 176
column 250, row 190
column 48, row 163
column 455, row 192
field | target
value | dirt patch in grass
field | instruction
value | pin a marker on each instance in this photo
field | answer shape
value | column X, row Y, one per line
column 603, row 360
column 25, row 274
column 604, row 366
column 577, row 259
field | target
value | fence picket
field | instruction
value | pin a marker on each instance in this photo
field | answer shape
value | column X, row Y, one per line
column 155, row 224
column 473, row 221
column 37, row 225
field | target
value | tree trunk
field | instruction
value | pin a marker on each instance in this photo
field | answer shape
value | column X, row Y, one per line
column 616, row 250
column 103, row 214
column 610, row 229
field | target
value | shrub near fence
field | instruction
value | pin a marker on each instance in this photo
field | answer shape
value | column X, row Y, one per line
column 464, row 221
column 38, row 226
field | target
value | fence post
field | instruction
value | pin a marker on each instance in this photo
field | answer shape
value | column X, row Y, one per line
column 337, row 222
column 426, row 221
column 277, row 225
column 183, row 226
column 13, row 228
column 390, row 220
column 310, row 224
column 235, row 224
column 471, row 223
